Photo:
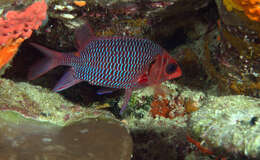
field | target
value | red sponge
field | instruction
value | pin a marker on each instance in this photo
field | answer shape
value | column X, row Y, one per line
column 19, row 24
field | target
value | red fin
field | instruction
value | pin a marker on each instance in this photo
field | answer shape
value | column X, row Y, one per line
column 52, row 60
column 66, row 81
column 83, row 35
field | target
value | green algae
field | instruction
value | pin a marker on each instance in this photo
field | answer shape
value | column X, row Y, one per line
column 17, row 119
column 42, row 104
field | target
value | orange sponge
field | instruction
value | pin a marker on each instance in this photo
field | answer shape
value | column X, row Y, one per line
column 8, row 51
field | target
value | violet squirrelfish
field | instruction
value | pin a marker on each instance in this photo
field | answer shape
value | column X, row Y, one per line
column 116, row 62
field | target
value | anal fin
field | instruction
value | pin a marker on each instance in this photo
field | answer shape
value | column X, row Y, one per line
column 67, row 80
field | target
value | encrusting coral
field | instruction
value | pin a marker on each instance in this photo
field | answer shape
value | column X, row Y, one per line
column 250, row 7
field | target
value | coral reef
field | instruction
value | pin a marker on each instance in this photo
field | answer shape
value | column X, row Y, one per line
column 188, row 121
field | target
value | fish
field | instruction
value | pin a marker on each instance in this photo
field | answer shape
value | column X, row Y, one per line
column 116, row 62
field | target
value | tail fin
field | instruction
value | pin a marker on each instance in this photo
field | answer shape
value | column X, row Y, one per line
column 52, row 60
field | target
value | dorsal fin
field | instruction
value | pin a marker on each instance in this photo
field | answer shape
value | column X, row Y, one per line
column 83, row 35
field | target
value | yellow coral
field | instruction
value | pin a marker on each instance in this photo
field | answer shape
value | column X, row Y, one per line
column 251, row 8
column 230, row 4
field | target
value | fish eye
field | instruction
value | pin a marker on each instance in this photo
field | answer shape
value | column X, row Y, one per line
column 170, row 68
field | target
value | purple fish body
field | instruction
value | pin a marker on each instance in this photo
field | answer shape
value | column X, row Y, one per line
column 115, row 62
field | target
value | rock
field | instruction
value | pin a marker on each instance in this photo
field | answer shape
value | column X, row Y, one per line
column 168, row 132
column 230, row 123
column 93, row 138
column 38, row 124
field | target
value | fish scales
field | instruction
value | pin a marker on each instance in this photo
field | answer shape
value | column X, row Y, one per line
column 114, row 62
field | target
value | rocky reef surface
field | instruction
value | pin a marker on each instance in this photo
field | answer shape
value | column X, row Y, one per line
column 227, row 125
column 222, row 126
column 36, row 123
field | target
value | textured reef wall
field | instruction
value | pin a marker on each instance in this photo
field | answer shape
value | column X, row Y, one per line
column 239, row 55
column 36, row 123
column 220, row 126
